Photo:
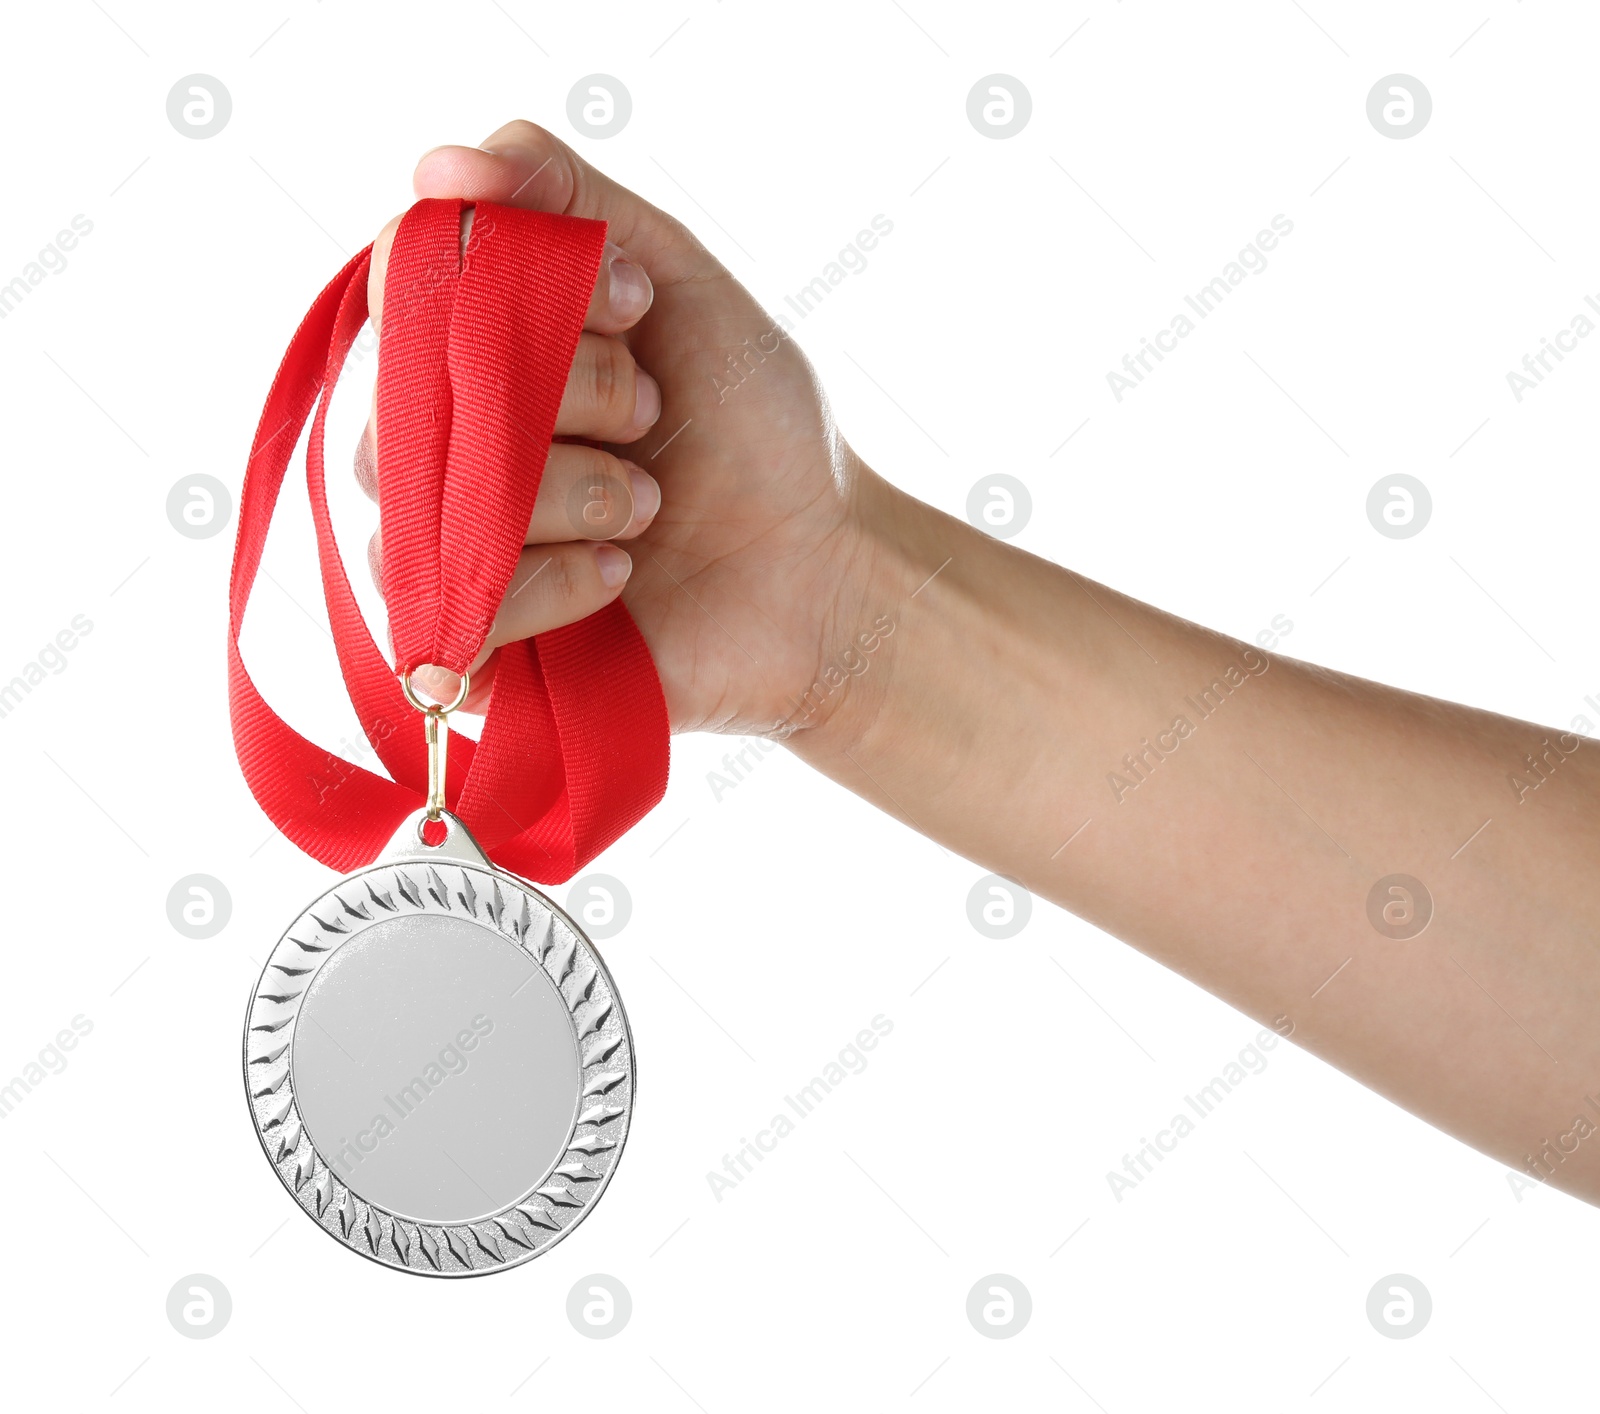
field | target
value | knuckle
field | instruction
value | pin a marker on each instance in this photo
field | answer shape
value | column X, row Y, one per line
column 521, row 131
column 611, row 380
column 385, row 239
column 366, row 461
column 565, row 166
column 565, row 583
column 601, row 503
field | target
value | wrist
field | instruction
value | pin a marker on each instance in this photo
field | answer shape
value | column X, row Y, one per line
column 896, row 551
column 980, row 643
column 855, row 636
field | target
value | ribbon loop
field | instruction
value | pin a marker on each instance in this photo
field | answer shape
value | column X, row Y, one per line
column 475, row 350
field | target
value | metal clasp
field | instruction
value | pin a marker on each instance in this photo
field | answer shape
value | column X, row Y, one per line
column 437, row 732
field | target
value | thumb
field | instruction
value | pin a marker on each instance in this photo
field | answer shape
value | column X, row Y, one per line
column 523, row 165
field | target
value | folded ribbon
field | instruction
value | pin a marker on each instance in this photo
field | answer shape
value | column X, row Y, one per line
column 476, row 347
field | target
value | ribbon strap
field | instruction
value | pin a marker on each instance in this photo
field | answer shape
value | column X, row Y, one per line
column 475, row 354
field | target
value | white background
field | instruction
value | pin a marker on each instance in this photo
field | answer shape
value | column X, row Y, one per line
column 770, row 926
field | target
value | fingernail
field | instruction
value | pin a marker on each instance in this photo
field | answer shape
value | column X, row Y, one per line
column 615, row 565
column 646, row 400
column 630, row 290
column 646, row 493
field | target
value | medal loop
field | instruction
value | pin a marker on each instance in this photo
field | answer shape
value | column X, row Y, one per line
column 409, row 687
column 436, row 732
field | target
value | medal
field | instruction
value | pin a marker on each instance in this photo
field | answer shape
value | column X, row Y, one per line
column 438, row 1064
column 436, row 1060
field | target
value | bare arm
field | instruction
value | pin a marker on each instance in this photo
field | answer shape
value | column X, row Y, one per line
column 1238, row 816
column 1410, row 882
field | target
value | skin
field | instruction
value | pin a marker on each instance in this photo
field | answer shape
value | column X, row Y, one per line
column 994, row 701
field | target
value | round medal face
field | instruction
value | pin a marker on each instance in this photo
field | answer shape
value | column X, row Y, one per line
column 437, row 1063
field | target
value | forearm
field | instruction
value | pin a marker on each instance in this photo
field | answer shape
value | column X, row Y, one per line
column 1229, row 813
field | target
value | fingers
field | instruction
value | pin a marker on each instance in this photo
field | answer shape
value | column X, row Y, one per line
column 376, row 271
column 554, row 585
column 622, row 294
column 608, row 396
column 367, row 456
column 622, row 291
column 587, row 497
column 584, row 494
column 588, row 494
column 523, row 165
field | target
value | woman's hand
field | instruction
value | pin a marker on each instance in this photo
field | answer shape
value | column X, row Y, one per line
column 723, row 475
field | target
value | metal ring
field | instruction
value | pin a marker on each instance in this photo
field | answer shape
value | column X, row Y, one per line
column 421, row 706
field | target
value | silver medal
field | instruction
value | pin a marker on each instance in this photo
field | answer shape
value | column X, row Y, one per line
column 437, row 1063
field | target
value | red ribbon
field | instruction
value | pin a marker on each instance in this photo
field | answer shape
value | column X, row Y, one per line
column 475, row 354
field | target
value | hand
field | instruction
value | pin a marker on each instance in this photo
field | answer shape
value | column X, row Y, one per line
column 1066, row 736
column 722, row 473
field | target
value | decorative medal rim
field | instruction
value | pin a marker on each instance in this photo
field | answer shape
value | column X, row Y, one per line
column 343, row 1214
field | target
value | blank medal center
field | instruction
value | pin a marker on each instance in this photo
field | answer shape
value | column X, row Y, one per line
column 436, row 1068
